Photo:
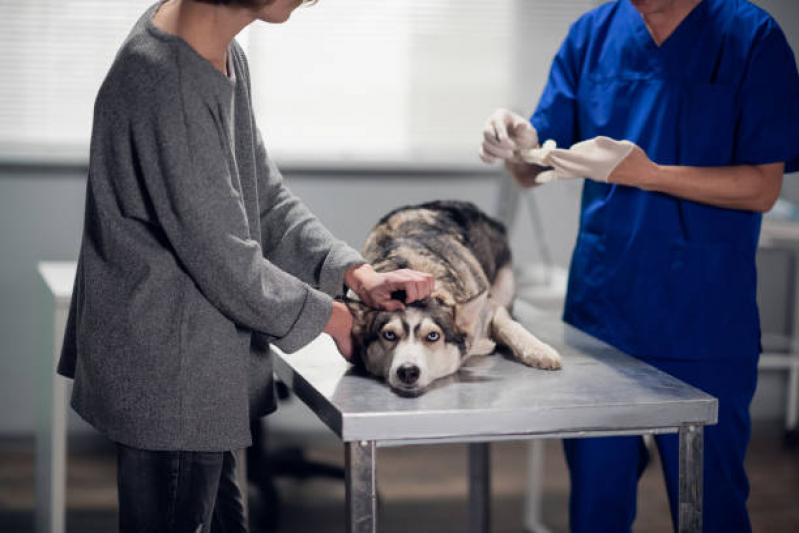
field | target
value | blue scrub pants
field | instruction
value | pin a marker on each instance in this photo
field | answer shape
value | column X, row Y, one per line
column 605, row 471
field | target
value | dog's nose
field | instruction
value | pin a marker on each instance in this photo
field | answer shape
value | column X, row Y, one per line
column 408, row 374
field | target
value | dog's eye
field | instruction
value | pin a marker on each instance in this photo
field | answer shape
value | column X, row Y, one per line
column 389, row 335
column 433, row 336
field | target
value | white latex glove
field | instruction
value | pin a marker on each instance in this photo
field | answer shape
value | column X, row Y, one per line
column 595, row 159
column 506, row 135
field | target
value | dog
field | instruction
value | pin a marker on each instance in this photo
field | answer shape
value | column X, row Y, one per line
column 467, row 314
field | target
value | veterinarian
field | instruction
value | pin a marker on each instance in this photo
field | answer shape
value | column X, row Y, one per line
column 682, row 115
column 194, row 257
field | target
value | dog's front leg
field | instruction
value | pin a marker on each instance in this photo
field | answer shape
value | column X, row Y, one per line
column 524, row 345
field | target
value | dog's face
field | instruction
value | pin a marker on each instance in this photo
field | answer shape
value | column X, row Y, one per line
column 411, row 348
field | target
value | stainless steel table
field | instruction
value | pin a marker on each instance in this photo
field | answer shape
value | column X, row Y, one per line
column 599, row 392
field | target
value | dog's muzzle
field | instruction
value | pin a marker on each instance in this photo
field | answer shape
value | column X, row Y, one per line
column 406, row 381
column 408, row 374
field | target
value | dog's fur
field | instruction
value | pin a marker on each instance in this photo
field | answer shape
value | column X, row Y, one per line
column 467, row 314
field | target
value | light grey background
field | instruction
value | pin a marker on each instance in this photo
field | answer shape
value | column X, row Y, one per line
column 41, row 212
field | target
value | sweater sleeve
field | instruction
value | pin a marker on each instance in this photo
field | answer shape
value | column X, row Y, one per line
column 293, row 238
column 183, row 165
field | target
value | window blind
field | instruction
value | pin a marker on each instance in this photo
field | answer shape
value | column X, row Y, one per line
column 344, row 81
column 400, row 80
column 55, row 55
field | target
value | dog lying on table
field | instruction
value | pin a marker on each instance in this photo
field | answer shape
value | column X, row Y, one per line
column 468, row 312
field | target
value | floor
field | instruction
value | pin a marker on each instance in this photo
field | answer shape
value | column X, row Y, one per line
column 422, row 489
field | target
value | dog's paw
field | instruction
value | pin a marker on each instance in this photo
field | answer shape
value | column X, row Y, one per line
column 540, row 355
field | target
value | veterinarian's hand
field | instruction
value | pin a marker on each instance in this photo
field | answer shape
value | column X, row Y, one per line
column 599, row 159
column 634, row 170
column 506, row 135
column 339, row 326
column 375, row 288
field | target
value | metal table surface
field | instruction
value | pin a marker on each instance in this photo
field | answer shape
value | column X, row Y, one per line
column 599, row 391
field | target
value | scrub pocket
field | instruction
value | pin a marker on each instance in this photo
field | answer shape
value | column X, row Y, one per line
column 585, row 304
column 707, row 113
column 670, row 299
column 713, row 290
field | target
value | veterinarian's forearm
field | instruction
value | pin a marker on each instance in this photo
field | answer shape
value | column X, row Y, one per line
column 747, row 187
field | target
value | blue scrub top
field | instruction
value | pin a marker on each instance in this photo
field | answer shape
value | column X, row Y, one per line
column 655, row 275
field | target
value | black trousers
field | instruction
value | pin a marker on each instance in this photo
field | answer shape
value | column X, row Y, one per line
column 177, row 492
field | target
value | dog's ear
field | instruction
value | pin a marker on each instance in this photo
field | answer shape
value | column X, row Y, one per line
column 362, row 316
column 443, row 298
column 469, row 316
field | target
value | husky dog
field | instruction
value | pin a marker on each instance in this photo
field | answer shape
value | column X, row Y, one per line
column 468, row 312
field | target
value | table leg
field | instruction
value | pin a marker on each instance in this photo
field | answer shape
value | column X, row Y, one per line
column 479, row 487
column 691, row 474
column 50, row 467
column 51, row 421
column 361, row 483
column 792, row 408
column 534, row 492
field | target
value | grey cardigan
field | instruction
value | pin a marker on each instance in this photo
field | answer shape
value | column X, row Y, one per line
column 194, row 255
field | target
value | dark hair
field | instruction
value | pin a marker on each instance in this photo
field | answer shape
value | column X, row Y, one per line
column 246, row 3
column 243, row 3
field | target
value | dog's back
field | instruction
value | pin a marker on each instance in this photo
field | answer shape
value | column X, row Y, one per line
column 462, row 246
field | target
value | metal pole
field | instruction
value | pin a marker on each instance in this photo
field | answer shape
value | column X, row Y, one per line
column 691, row 474
column 792, row 411
column 534, row 493
column 538, row 229
column 51, row 417
column 508, row 202
column 479, row 487
column 361, row 484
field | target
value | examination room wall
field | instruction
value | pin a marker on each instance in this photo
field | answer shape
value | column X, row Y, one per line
column 41, row 215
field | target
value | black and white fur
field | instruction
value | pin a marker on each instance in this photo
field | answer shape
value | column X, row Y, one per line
column 467, row 314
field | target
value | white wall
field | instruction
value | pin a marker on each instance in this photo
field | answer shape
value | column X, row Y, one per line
column 41, row 219
column 773, row 268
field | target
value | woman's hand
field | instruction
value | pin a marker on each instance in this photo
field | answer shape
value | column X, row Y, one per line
column 375, row 288
column 339, row 326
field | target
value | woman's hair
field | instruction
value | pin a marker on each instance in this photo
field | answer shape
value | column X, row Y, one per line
column 246, row 3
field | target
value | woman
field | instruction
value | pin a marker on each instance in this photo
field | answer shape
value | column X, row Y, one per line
column 194, row 257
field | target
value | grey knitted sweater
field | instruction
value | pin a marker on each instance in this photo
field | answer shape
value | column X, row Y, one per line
column 194, row 255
